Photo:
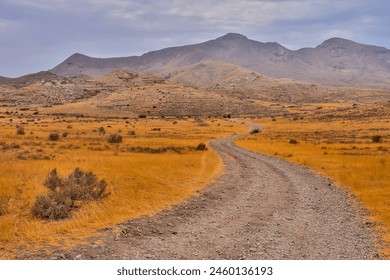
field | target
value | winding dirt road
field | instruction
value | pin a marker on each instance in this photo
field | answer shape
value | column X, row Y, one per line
column 260, row 208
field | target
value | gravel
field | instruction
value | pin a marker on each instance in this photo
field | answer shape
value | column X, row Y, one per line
column 260, row 208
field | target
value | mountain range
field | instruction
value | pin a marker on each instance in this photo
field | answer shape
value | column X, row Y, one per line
column 335, row 61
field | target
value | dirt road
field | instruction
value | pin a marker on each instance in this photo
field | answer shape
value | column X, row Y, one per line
column 261, row 208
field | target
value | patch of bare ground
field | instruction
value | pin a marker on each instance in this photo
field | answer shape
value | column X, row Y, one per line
column 260, row 208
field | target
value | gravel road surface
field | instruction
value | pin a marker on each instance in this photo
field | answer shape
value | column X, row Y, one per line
column 260, row 208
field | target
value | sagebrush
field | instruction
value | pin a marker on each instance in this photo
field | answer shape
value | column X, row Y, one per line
column 65, row 194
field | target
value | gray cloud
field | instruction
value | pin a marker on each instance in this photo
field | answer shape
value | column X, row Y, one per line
column 37, row 34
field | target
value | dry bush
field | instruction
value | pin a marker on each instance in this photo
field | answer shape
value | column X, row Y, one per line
column 27, row 155
column 201, row 147
column 376, row 139
column 54, row 182
column 52, row 207
column 54, row 136
column 20, row 130
column 83, row 186
column 255, row 130
column 64, row 193
column 150, row 150
column 114, row 138
column 102, row 130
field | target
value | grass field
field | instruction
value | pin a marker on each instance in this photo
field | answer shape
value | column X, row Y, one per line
column 348, row 151
column 156, row 165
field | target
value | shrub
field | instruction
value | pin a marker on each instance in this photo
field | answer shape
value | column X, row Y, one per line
column 20, row 130
column 376, row 138
column 65, row 134
column 54, row 136
column 114, row 138
column 53, row 182
column 66, row 193
column 293, row 141
column 201, row 147
column 102, row 130
column 52, row 207
column 83, row 186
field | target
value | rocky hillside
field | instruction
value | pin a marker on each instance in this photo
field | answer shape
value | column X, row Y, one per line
column 336, row 61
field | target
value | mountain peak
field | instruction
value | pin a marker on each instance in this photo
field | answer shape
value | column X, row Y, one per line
column 336, row 42
column 232, row 36
column 77, row 56
column 336, row 60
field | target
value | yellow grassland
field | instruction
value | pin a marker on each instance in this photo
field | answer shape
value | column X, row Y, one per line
column 139, row 183
column 340, row 149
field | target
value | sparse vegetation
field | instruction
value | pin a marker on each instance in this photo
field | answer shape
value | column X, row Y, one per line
column 376, row 138
column 20, row 130
column 102, row 130
column 65, row 193
column 255, row 131
column 115, row 138
column 350, row 158
column 128, row 168
column 201, row 147
column 54, row 136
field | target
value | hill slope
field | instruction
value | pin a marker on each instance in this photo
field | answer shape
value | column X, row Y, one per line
column 335, row 61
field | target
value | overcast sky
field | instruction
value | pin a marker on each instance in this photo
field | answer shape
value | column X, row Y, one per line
column 36, row 35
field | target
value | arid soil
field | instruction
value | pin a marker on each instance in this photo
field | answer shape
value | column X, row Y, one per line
column 260, row 208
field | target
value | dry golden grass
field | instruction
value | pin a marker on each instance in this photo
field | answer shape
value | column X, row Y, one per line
column 342, row 150
column 139, row 183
